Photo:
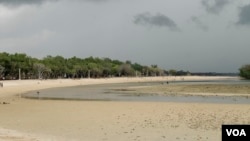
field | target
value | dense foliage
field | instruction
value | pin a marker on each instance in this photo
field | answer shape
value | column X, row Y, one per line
column 245, row 71
column 60, row 67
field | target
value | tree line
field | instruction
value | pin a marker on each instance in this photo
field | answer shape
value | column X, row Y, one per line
column 13, row 66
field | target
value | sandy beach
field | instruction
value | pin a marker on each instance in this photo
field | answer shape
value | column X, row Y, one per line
column 55, row 120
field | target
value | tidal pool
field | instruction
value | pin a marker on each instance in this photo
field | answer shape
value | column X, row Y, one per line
column 122, row 92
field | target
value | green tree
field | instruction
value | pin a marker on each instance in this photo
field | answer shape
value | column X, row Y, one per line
column 106, row 69
column 95, row 70
column 126, row 70
column 5, row 63
column 41, row 69
column 172, row 72
column 1, row 71
column 57, row 67
column 137, row 67
column 245, row 71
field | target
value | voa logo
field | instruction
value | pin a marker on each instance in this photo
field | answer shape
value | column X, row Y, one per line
column 236, row 132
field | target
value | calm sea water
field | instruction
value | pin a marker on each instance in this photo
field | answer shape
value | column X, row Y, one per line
column 108, row 92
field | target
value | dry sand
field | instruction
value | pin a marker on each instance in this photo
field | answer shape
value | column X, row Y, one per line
column 39, row 120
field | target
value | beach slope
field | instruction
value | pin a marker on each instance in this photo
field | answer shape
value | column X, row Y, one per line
column 38, row 120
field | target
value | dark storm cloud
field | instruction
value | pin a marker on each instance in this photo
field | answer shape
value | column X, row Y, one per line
column 214, row 6
column 244, row 15
column 159, row 20
column 199, row 23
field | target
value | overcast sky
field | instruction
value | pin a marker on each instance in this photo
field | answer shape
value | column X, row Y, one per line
column 193, row 35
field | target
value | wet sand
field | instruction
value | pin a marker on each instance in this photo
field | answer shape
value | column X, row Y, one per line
column 39, row 120
column 197, row 89
column 227, row 93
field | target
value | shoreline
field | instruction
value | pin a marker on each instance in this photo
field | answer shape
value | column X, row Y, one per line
column 48, row 120
column 186, row 91
column 13, row 88
column 30, row 85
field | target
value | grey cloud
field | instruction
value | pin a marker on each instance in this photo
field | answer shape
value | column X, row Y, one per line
column 244, row 15
column 214, row 6
column 23, row 2
column 199, row 23
column 16, row 3
column 91, row 1
column 159, row 20
column 96, row 0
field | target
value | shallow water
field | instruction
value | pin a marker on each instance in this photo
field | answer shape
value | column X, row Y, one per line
column 108, row 92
